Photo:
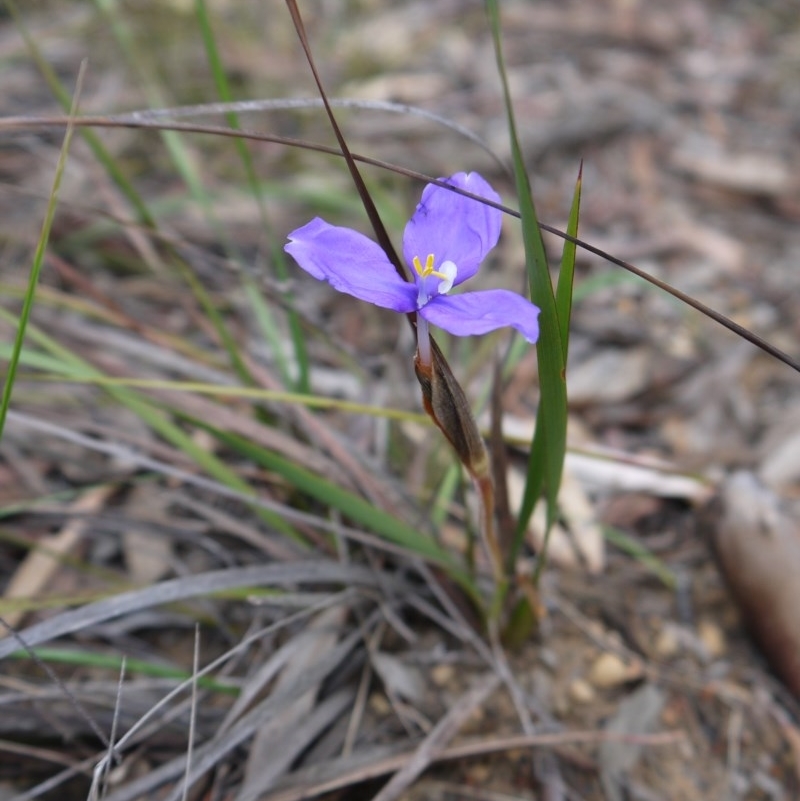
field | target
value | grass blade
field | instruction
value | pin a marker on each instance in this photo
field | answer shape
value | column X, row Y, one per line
column 158, row 670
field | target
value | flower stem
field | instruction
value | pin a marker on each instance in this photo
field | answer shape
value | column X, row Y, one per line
column 423, row 342
column 484, row 485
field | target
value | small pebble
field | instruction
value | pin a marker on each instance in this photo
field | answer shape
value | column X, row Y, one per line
column 379, row 704
column 609, row 670
column 479, row 774
column 712, row 636
column 581, row 692
column 667, row 644
column 442, row 675
column 549, row 658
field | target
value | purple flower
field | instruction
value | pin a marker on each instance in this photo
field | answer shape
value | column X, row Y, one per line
column 445, row 242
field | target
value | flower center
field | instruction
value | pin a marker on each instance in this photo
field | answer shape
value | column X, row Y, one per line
column 433, row 282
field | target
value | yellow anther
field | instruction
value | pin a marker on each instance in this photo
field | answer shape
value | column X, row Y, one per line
column 424, row 272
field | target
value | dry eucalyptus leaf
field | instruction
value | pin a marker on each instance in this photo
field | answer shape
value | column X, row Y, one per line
column 580, row 547
column 602, row 469
column 148, row 553
column 612, row 375
column 37, row 571
column 637, row 714
column 758, row 548
column 750, row 173
column 398, row 677
column 781, row 466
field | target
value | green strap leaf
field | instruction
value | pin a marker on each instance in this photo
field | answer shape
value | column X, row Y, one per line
column 550, row 439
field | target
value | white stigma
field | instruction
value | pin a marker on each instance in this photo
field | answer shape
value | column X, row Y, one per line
column 448, row 271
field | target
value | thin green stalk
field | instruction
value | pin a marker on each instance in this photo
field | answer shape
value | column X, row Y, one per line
column 38, row 258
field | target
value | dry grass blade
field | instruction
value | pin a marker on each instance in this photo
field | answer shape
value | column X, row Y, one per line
column 440, row 736
column 348, row 463
column 208, row 755
column 506, row 675
column 278, row 661
column 374, row 762
column 287, row 103
column 100, row 774
column 193, row 718
column 281, row 746
column 279, row 575
column 153, row 717
column 272, row 546
column 265, row 436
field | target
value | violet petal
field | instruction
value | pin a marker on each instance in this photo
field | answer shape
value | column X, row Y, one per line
column 454, row 227
column 481, row 312
column 350, row 263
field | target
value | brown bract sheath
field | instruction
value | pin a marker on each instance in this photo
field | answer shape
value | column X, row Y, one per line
column 445, row 402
